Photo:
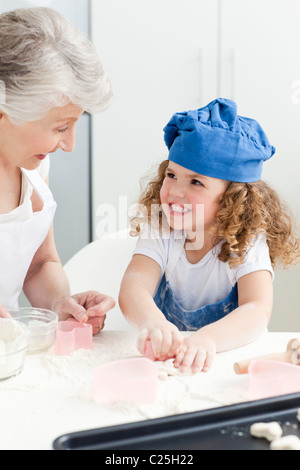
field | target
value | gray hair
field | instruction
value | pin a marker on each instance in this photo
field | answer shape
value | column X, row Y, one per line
column 46, row 62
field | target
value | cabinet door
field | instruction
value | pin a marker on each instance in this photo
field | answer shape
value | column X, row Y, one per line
column 161, row 59
column 260, row 68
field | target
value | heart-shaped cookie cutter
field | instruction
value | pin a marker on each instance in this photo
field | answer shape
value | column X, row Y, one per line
column 268, row 378
column 133, row 380
column 73, row 335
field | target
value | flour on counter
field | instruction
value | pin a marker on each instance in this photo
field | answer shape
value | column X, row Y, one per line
column 177, row 392
column 166, row 369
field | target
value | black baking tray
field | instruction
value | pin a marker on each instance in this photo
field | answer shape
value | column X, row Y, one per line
column 224, row 428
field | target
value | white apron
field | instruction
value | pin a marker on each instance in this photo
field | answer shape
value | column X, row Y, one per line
column 20, row 240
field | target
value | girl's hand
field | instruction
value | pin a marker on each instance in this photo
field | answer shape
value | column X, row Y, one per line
column 88, row 307
column 197, row 353
column 165, row 338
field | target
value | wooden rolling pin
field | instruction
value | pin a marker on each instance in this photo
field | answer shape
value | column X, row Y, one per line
column 291, row 355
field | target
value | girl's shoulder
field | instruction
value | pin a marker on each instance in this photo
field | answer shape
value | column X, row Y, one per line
column 156, row 244
column 256, row 258
column 152, row 234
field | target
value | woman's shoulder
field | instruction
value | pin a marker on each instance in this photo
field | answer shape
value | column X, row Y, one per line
column 44, row 167
column 43, row 171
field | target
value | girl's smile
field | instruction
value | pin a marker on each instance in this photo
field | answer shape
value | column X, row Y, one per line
column 179, row 209
column 190, row 201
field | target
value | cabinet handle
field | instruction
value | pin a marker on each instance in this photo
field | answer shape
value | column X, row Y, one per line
column 234, row 74
column 201, row 76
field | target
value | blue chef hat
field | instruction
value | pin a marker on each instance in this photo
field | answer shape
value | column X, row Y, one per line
column 215, row 141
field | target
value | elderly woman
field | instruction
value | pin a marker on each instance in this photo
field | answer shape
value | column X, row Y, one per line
column 49, row 75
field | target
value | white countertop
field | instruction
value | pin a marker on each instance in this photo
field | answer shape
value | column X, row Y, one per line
column 53, row 395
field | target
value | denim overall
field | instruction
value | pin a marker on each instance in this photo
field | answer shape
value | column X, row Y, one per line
column 189, row 320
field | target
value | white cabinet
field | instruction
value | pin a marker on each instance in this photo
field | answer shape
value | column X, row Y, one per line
column 161, row 58
column 260, row 68
column 165, row 56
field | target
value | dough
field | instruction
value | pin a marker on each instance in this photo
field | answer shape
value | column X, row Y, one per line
column 286, row 443
column 269, row 431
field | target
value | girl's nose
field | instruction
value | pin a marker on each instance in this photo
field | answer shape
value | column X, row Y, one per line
column 178, row 190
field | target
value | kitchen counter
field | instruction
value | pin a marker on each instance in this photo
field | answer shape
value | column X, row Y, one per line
column 53, row 395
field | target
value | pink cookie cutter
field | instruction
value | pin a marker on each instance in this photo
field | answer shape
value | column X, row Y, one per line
column 72, row 335
column 148, row 351
column 128, row 379
column 271, row 378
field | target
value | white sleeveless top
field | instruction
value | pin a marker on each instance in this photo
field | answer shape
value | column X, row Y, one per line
column 21, row 235
column 24, row 210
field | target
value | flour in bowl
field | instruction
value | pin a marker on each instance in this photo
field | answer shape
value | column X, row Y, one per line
column 13, row 342
column 12, row 335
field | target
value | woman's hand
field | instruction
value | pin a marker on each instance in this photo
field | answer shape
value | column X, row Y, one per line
column 4, row 313
column 88, row 307
column 196, row 353
column 165, row 338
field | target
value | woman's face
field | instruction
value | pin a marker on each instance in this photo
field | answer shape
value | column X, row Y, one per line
column 190, row 201
column 27, row 144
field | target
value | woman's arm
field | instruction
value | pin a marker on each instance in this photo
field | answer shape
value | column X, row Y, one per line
column 46, row 286
column 46, row 281
column 136, row 302
column 240, row 327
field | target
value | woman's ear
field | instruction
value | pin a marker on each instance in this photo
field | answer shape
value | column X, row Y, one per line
column 2, row 96
column 3, row 118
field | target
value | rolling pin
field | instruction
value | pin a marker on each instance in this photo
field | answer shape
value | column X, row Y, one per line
column 291, row 355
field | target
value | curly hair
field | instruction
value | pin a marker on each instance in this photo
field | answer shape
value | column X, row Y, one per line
column 246, row 210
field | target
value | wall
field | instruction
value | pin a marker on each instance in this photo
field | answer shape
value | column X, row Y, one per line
column 69, row 172
column 260, row 67
column 166, row 56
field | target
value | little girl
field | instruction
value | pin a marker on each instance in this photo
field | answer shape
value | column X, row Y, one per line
column 209, row 269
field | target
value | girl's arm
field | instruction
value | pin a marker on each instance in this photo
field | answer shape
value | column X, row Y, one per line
column 246, row 323
column 240, row 327
column 136, row 302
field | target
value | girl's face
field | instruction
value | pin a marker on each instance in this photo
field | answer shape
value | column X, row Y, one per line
column 190, row 201
column 27, row 144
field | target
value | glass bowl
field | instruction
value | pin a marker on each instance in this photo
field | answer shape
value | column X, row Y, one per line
column 14, row 340
column 42, row 325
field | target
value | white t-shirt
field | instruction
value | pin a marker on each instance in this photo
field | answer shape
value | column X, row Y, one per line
column 210, row 280
column 24, row 210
